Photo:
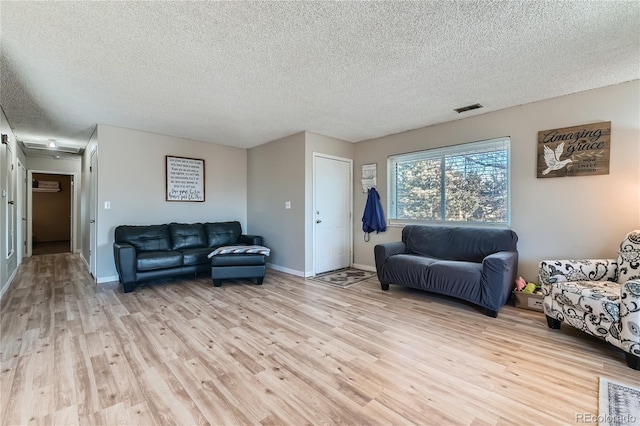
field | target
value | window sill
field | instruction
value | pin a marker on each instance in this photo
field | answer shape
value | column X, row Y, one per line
column 402, row 224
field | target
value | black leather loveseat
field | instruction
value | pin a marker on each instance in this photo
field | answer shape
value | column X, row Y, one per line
column 158, row 251
column 474, row 264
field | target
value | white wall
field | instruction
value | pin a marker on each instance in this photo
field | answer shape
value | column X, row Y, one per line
column 131, row 175
column 570, row 217
column 276, row 174
column 48, row 164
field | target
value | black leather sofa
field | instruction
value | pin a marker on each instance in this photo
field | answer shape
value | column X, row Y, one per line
column 159, row 251
column 474, row 264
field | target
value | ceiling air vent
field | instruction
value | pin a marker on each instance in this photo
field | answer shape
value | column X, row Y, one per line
column 467, row 108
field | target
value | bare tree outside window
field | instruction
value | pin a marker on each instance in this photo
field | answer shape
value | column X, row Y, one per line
column 464, row 184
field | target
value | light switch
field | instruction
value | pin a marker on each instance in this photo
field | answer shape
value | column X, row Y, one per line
column 107, row 205
column 287, row 204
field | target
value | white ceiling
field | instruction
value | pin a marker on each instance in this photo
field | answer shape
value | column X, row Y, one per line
column 245, row 73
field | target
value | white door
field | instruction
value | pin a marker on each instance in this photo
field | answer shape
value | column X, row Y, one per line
column 9, row 193
column 21, row 212
column 332, row 213
column 92, row 213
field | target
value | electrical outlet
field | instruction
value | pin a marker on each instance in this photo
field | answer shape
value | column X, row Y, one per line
column 287, row 204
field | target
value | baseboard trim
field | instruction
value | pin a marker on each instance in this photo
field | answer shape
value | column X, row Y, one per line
column 9, row 281
column 286, row 270
column 364, row 267
column 279, row 268
column 4, row 290
column 109, row 279
column 85, row 262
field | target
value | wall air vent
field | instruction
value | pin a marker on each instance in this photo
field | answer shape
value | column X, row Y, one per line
column 467, row 108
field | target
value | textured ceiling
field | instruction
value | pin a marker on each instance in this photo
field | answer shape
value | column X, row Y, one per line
column 245, row 73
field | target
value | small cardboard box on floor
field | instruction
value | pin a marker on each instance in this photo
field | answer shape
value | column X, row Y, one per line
column 528, row 301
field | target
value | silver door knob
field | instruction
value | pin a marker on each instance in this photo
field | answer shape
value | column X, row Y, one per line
column 92, row 221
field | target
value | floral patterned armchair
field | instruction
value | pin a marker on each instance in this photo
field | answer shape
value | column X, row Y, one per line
column 598, row 296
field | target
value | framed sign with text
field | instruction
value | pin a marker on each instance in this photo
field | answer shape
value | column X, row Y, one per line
column 574, row 151
column 185, row 179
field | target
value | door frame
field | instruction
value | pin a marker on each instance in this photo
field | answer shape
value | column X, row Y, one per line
column 316, row 155
column 9, row 191
column 21, row 211
column 74, row 207
column 93, row 211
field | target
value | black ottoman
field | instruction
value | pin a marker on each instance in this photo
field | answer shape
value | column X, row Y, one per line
column 237, row 265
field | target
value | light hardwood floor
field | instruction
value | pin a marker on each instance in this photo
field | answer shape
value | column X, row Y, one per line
column 291, row 351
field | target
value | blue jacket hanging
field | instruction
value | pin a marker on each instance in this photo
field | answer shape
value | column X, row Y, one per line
column 373, row 217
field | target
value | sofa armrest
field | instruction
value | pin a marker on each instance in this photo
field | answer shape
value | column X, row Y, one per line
column 125, row 258
column 383, row 251
column 498, row 276
column 252, row 240
column 553, row 271
column 630, row 316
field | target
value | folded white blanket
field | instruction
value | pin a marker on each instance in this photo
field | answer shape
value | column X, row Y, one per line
column 240, row 249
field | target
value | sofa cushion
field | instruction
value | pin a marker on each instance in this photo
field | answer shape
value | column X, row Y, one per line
column 144, row 238
column 222, row 233
column 590, row 306
column 407, row 269
column 187, row 235
column 458, row 278
column 195, row 256
column 458, row 243
column 158, row 260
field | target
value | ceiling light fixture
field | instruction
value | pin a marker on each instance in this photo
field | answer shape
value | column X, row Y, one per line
column 52, row 143
column 467, row 108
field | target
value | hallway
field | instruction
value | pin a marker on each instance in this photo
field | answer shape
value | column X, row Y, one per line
column 51, row 247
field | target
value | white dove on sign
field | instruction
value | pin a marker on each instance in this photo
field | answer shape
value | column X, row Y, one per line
column 552, row 158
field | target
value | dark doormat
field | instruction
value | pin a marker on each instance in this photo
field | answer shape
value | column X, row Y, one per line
column 344, row 277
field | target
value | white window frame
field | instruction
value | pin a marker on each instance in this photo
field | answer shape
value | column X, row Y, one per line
column 442, row 153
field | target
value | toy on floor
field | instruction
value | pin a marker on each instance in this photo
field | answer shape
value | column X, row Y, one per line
column 526, row 287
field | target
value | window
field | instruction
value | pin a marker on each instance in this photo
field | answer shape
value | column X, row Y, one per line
column 460, row 184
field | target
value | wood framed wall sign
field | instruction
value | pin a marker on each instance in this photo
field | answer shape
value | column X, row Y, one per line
column 574, row 151
column 184, row 179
